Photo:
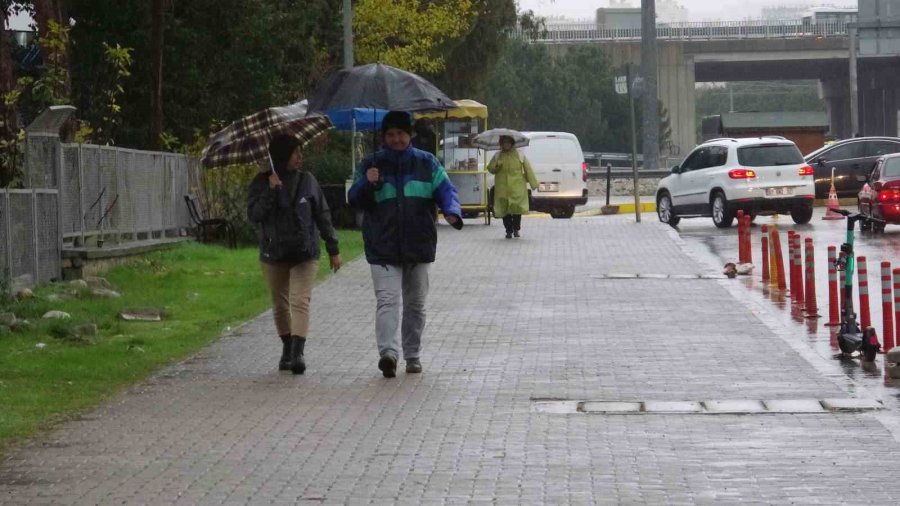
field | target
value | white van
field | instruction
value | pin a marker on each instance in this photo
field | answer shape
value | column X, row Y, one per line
column 561, row 171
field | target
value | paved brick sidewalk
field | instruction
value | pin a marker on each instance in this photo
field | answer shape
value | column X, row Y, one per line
column 510, row 322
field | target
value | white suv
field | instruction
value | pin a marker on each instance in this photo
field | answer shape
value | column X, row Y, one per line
column 762, row 175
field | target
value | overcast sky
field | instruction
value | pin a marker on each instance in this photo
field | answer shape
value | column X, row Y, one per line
column 698, row 10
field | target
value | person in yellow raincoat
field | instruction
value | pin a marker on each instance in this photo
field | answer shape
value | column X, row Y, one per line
column 511, row 172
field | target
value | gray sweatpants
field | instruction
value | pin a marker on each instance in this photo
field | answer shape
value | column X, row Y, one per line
column 391, row 282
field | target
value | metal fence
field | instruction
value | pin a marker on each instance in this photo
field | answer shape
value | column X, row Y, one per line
column 29, row 235
column 122, row 194
column 750, row 29
column 84, row 195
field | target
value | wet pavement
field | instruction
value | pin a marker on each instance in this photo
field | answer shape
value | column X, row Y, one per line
column 592, row 361
column 717, row 246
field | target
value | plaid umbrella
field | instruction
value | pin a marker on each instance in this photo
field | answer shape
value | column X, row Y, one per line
column 247, row 139
column 490, row 139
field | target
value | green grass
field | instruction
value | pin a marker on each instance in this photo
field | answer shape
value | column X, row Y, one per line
column 47, row 373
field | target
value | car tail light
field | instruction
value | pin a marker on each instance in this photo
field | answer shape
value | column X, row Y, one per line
column 584, row 170
column 889, row 195
column 806, row 170
column 742, row 174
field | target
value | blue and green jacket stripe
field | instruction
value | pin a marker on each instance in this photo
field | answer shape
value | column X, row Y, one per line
column 399, row 211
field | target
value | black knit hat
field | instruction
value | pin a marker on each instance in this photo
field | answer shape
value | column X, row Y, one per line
column 397, row 119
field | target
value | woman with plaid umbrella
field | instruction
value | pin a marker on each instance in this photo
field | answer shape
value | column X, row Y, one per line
column 288, row 204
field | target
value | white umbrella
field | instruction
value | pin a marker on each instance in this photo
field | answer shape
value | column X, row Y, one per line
column 490, row 139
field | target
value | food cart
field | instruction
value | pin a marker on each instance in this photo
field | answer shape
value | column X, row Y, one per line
column 465, row 164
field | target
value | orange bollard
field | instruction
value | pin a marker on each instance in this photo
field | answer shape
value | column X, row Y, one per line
column 887, row 317
column 748, row 243
column 740, row 233
column 792, row 275
column 773, row 267
column 842, row 294
column 779, row 259
column 897, row 303
column 865, row 319
column 764, row 251
column 834, row 312
column 797, row 279
column 810, row 295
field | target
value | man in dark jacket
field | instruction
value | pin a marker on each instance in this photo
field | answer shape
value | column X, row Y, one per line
column 289, row 206
column 397, row 189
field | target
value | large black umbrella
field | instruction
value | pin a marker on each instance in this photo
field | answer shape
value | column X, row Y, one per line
column 378, row 86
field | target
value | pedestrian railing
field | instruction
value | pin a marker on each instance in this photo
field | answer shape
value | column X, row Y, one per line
column 749, row 29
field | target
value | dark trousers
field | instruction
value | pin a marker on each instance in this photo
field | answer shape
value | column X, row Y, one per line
column 512, row 222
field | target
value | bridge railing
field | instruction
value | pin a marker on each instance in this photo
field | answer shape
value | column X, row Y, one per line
column 719, row 30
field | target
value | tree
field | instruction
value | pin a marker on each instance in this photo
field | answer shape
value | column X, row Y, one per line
column 471, row 56
column 408, row 33
column 156, row 73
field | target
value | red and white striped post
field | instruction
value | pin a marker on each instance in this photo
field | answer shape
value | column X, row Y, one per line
column 797, row 272
column 887, row 316
column 764, row 250
column 748, row 244
column 841, row 292
column 834, row 312
column 810, row 295
column 740, row 229
column 897, row 301
column 865, row 319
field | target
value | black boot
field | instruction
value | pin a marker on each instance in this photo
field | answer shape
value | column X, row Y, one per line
column 284, row 364
column 298, row 366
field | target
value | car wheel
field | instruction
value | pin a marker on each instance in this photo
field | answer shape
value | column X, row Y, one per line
column 802, row 215
column 562, row 212
column 665, row 211
column 722, row 216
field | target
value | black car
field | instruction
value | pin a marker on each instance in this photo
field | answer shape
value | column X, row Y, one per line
column 849, row 158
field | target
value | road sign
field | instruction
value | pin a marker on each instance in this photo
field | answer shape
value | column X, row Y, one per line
column 622, row 85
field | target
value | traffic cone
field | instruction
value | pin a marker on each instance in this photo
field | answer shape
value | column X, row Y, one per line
column 832, row 203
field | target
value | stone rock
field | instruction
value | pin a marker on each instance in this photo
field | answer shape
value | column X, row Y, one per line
column 105, row 293
column 141, row 314
column 53, row 297
column 88, row 329
column 22, row 325
column 893, row 355
column 24, row 294
column 98, row 282
column 78, row 283
column 8, row 319
column 57, row 314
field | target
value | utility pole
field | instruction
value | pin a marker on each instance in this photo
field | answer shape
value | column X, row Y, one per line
column 650, row 119
column 634, row 170
column 854, row 90
column 348, row 34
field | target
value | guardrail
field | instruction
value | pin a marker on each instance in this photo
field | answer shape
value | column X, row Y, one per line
column 725, row 30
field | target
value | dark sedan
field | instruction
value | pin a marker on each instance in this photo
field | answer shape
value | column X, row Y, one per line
column 850, row 159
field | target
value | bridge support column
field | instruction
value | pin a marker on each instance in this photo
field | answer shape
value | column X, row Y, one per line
column 836, row 94
column 676, row 91
column 879, row 98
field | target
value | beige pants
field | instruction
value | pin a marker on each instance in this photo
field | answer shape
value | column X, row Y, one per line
column 291, row 287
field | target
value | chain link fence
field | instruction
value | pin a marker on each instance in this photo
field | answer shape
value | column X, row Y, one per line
column 29, row 236
column 82, row 196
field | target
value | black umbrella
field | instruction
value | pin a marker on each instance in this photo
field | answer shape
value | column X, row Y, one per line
column 378, row 86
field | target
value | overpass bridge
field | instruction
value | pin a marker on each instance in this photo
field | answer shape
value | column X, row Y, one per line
column 689, row 53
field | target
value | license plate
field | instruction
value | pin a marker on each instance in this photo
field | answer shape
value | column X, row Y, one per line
column 548, row 187
column 779, row 191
